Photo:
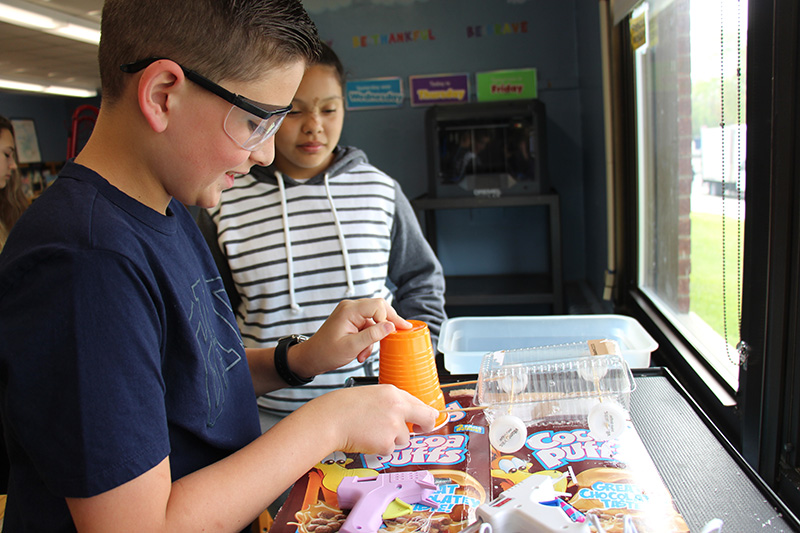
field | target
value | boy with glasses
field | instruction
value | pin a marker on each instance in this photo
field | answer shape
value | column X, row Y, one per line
column 128, row 400
column 318, row 225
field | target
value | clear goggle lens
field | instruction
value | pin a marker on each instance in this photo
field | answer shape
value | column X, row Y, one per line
column 248, row 130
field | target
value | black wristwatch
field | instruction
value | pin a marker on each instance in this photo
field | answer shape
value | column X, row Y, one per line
column 282, row 365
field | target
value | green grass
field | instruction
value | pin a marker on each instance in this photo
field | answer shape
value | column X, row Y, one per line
column 706, row 275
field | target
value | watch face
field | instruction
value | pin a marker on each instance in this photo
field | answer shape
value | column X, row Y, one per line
column 294, row 337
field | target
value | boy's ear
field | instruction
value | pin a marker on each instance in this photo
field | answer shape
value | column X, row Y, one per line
column 159, row 87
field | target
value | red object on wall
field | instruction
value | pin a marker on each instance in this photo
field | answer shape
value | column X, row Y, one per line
column 85, row 115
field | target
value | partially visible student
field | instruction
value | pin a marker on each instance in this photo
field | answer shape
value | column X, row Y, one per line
column 319, row 225
column 127, row 398
column 12, row 200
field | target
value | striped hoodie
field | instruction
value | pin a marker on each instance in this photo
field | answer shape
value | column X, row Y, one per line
column 289, row 251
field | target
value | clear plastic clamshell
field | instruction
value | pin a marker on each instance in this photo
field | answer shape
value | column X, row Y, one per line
column 553, row 384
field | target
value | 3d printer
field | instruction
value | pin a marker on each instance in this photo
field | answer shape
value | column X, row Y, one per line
column 487, row 149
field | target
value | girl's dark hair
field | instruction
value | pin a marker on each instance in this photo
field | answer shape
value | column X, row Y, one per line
column 329, row 58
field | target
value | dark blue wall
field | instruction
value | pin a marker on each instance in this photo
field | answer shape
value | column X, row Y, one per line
column 52, row 116
column 562, row 41
column 595, row 254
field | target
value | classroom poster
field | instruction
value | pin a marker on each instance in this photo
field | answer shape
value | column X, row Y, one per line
column 439, row 89
column 374, row 93
column 499, row 85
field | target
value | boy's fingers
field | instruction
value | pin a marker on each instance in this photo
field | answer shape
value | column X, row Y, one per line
column 377, row 310
column 424, row 418
column 375, row 333
column 366, row 352
column 402, row 441
column 421, row 415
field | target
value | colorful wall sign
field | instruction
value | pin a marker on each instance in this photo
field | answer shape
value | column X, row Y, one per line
column 439, row 89
column 374, row 93
column 504, row 28
column 376, row 39
column 506, row 85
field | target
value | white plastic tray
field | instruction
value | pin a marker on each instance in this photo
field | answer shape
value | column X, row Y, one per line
column 465, row 340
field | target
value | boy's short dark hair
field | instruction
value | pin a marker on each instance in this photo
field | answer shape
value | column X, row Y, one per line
column 221, row 39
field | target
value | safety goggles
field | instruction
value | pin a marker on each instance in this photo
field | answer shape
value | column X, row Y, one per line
column 247, row 124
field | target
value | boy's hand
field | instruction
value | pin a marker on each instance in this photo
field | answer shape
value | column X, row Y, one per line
column 347, row 334
column 370, row 419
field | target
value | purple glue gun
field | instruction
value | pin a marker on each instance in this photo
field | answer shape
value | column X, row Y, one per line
column 368, row 497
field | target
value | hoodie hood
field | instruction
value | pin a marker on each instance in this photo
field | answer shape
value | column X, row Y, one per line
column 345, row 158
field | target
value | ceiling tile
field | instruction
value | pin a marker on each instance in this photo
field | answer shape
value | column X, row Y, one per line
column 37, row 57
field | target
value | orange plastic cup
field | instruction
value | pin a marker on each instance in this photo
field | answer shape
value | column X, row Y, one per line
column 408, row 363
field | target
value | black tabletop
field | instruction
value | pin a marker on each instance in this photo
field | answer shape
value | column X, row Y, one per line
column 705, row 475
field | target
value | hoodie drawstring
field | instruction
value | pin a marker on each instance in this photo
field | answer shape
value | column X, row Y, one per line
column 287, row 243
column 351, row 290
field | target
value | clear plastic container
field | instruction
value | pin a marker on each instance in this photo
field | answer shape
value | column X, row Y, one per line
column 465, row 340
column 553, row 384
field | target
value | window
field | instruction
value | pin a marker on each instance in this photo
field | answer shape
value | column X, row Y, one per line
column 672, row 150
column 689, row 72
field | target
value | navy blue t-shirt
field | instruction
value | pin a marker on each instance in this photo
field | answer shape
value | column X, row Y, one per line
column 118, row 348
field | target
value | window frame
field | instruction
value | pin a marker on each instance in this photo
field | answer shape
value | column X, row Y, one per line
column 769, row 400
column 766, row 399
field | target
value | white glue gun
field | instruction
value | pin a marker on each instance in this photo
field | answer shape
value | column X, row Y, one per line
column 530, row 506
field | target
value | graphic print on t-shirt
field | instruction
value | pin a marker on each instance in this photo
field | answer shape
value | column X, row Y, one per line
column 210, row 311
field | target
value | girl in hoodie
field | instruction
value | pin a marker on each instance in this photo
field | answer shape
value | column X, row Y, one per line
column 317, row 226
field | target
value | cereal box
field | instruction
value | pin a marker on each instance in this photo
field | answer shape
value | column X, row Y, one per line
column 456, row 454
column 608, row 479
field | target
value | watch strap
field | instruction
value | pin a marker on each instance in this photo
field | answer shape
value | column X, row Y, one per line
column 282, row 363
